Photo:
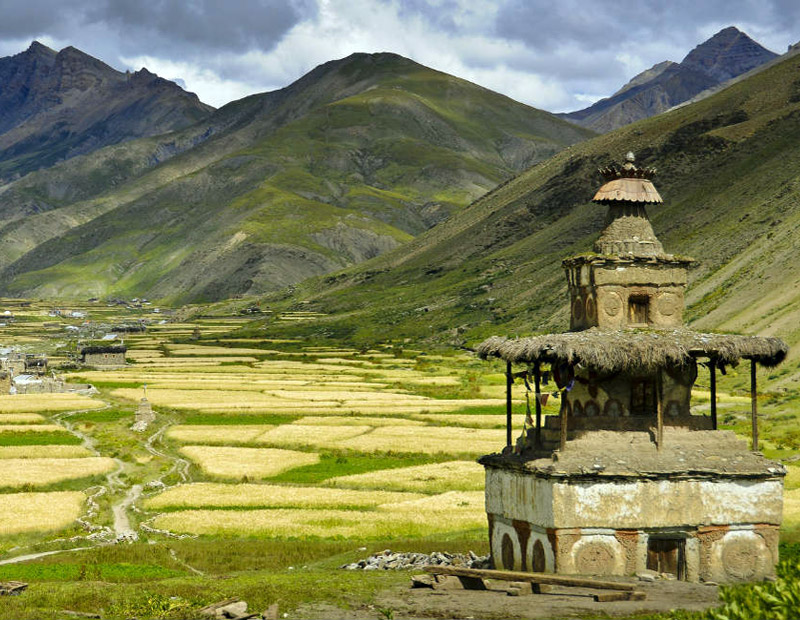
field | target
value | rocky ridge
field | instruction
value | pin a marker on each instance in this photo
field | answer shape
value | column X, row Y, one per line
column 727, row 54
column 56, row 105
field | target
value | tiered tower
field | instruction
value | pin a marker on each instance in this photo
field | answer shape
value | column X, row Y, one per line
column 628, row 476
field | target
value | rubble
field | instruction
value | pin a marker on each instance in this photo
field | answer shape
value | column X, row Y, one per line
column 388, row 560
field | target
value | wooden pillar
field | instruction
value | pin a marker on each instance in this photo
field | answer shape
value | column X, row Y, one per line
column 659, row 412
column 563, row 416
column 509, row 382
column 754, row 403
column 712, row 367
column 537, row 380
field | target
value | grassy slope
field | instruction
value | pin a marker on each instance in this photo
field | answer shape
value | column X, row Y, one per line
column 348, row 162
column 727, row 170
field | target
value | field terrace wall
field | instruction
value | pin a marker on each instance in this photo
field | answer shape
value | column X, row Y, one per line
column 627, row 477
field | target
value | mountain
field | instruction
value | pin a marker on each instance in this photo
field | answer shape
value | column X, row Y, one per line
column 727, row 54
column 350, row 161
column 56, row 105
column 727, row 170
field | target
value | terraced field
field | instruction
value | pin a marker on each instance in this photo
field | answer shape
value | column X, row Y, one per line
column 274, row 443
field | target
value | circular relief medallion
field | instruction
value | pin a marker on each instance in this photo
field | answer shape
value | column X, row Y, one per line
column 673, row 409
column 591, row 409
column 591, row 309
column 740, row 558
column 612, row 304
column 613, row 408
column 577, row 309
column 577, row 409
column 668, row 304
column 594, row 558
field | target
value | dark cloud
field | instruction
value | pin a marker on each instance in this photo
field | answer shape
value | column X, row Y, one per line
column 597, row 26
column 200, row 26
column 193, row 27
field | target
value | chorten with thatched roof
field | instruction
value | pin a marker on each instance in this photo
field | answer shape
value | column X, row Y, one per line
column 629, row 476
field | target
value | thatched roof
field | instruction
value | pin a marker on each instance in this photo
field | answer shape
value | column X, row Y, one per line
column 634, row 349
column 628, row 190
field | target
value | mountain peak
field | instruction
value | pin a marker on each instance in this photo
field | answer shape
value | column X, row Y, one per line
column 727, row 54
column 40, row 49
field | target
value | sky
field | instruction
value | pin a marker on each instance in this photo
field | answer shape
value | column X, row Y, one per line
column 557, row 55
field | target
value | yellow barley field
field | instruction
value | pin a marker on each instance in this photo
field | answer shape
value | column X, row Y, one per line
column 354, row 420
column 432, row 478
column 236, row 463
column 427, row 440
column 44, row 451
column 215, row 495
column 472, row 421
column 39, row 512
column 445, row 513
column 210, row 351
column 44, row 471
column 301, row 435
column 30, row 403
column 21, row 418
column 791, row 508
column 220, row 434
column 32, row 428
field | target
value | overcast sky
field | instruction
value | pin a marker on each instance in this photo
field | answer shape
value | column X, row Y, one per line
column 558, row 55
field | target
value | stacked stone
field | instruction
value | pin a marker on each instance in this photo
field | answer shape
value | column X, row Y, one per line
column 387, row 560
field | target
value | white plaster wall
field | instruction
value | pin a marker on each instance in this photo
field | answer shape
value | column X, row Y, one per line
column 663, row 503
column 518, row 496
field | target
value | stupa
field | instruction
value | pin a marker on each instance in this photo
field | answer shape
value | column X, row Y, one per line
column 628, row 477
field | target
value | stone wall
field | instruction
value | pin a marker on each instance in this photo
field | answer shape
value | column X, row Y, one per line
column 605, row 402
column 104, row 359
column 600, row 293
column 727, row 528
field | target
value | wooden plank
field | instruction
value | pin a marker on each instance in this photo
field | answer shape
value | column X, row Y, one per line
column 509, row 382
column 537, row 380
column 607, row 597
column 712, row 367
column 754, row 404
column 659, row 411
column 545, row 578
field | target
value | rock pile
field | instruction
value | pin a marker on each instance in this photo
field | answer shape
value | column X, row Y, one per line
column 387, row 560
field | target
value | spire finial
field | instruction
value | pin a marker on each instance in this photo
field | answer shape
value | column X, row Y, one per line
column 630, row 157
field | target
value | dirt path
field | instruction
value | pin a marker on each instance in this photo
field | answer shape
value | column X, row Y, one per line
column 404, row 602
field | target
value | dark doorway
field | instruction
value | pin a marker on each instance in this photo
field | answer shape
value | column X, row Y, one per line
column 637, row 310
column 643, row 397
column 667, row 555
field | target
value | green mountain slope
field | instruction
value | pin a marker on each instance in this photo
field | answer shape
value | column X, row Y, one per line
column 348, row 162
column 727, row 169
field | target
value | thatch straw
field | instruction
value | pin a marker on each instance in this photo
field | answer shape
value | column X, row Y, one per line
column 634, row 349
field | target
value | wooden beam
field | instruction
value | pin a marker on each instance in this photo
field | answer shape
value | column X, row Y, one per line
column 712, row 367
column 563, row 418
column 509, row 383
column 537, row 380
column 545, row 578
column 659, row 411
column 754, row 404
